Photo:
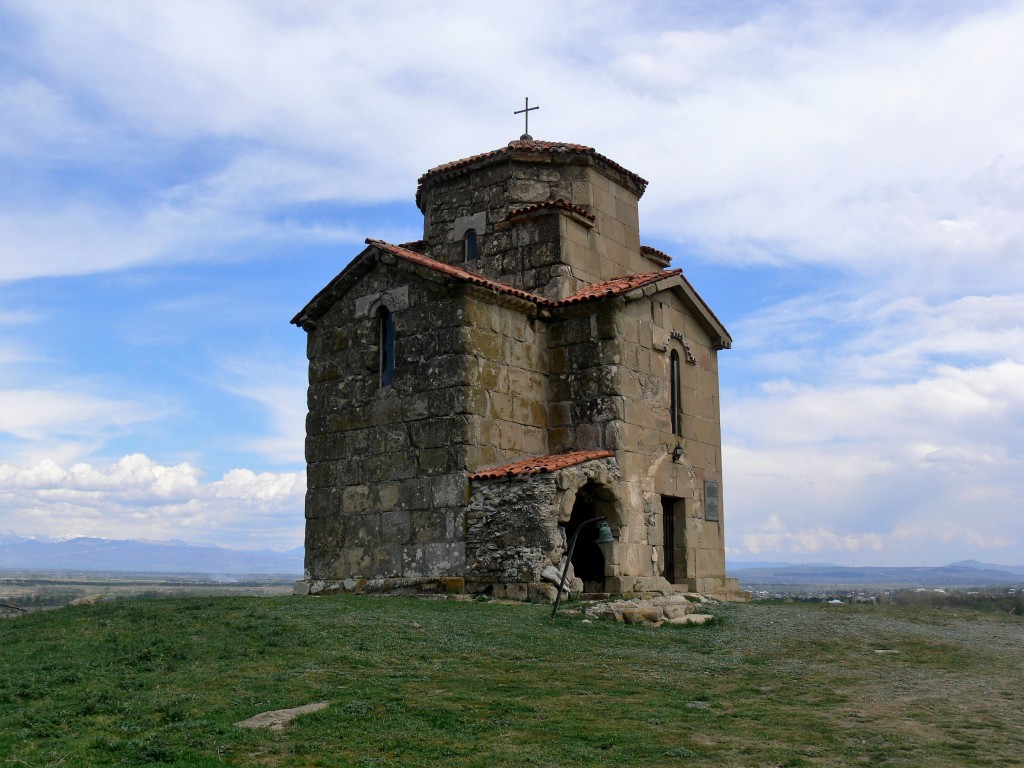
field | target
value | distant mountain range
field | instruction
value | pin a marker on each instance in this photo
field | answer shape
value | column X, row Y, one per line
column 136, row 556
column 961, row 574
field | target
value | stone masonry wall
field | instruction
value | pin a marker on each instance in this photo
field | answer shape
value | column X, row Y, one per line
column 552, row 253
column 645, row 328
column 584, row 405
column 506, row 350
column 522, row 254
column 385, row 463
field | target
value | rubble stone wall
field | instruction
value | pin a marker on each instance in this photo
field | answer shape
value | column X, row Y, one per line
column 515, row 525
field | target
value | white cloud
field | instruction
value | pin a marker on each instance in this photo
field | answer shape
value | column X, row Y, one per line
column 39, row 117
column 37, row 414
column 187, row 223
column 280, row 390
column 845, row 465
column 953, row 405
column 812, row 541
column 135, row 497
column 850, row 144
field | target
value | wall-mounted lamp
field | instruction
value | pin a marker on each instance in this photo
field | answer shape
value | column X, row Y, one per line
column 677, row 453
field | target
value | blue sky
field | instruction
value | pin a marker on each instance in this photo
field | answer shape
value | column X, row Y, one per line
column 843, row 182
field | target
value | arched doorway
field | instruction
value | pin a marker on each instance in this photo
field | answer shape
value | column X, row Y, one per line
column 588, row 563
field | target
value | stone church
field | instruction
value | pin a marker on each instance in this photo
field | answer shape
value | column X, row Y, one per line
column 474, row 397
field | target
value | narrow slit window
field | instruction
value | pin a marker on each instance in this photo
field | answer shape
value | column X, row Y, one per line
column 470, row 245
column 676, row 407
column 386, row 324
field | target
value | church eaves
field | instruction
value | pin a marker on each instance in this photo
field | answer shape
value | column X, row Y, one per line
column 526, row 148
column 540, row 464
column 655, row 255
column 558, row 204
column 618, row 286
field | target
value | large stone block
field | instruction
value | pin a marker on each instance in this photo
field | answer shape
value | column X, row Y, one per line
column 386, row 561
column 322, row 503
column 355, row 499
column 396, row 526
column 435, row 461
column 449, row 490
column 501, row 406
column 385, row 496
column 363, row 530
column 444, row 558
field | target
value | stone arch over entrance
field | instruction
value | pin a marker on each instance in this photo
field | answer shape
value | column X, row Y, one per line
column 591, row 500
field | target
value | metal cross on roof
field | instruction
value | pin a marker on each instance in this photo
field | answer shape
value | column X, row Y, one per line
column 525, row 112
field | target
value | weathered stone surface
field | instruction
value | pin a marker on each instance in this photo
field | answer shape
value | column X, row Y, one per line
column 541, row 593
column 675, row 611
column 277, row 719
column 693, row 618
column 553, row 575
column 642, row 614
column 669, row 609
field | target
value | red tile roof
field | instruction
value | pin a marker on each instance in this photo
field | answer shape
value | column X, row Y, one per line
column 556, row 203
column 530, row 146
column 615, row 287
column 457, row 273
column 540, row 464
column 618, row 286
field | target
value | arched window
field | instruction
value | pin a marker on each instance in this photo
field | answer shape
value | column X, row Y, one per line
column 470, row 245
column 676, row 408
column 386, row 332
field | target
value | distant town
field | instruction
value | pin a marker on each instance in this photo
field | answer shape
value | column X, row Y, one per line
column 968, row 584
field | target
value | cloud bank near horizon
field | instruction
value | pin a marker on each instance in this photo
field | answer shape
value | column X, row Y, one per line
column 141, row 499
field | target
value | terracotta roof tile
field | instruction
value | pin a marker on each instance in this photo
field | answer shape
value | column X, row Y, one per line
column 614, row 287
column 540, row 464
column 618, row 286
column 457, row 273
column 557, row 203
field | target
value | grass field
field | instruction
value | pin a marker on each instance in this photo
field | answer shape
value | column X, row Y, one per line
column 416, row 682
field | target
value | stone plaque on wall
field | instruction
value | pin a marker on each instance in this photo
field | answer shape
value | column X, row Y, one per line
column 711, row 500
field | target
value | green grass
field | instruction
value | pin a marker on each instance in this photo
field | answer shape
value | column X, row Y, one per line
column 160, row 682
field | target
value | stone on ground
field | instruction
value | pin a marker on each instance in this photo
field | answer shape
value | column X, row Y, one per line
column 277, row 719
